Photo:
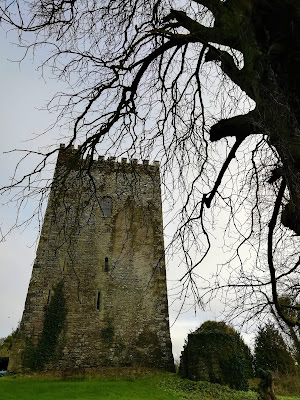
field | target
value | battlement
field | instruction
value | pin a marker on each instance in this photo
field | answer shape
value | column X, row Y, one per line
column 72, row 150
column 101, row 259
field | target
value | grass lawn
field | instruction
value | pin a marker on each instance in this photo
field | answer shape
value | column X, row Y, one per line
column 161, row 386
column 48, row 389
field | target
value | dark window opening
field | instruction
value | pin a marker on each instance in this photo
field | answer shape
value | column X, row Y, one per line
column 98, row 301
column 106, row 206
column 48, row 299
column 3, row 364
column 106, row 264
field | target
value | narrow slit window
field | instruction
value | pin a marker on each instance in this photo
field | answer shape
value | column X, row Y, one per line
column 65, row 265
column 106, row 264
column 49, row 294
column 98, row 300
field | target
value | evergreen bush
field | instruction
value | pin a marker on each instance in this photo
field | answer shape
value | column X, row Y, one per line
column 216, row 353
column 271, row 352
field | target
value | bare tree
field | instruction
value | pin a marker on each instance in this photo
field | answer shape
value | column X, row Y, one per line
column 212, row 88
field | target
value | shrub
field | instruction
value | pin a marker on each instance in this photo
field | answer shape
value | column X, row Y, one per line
column 216, row 352
column 6, row 344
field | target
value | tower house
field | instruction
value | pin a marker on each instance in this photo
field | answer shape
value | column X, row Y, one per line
column 98, row 296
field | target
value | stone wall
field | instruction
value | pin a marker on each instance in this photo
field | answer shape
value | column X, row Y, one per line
column 102, row 239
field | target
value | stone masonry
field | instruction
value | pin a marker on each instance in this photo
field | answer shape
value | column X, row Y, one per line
column 102, row 240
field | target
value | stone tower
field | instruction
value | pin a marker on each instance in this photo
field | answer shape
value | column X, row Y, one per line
column 97, row 296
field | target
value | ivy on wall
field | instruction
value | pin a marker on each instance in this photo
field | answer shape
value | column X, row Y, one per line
column 36, row 357
column 108, row 333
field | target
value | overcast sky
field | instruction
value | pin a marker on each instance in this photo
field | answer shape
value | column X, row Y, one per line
column 22, row 93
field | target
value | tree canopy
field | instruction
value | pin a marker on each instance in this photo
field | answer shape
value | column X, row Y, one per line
column 212, row 89
column 271, row 353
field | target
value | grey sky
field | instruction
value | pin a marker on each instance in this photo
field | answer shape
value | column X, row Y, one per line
column 22, row 93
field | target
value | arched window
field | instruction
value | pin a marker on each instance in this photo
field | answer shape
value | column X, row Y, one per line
column 106, row 206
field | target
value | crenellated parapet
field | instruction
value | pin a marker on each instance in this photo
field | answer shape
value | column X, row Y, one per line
column 74, row 155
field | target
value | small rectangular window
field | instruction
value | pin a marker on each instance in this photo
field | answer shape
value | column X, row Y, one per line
column 98, row 300
column 48, row 299
column 106, row 206
column 106, row 264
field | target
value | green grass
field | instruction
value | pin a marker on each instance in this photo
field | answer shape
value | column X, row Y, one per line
column 155, row 387
column 48, row 389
